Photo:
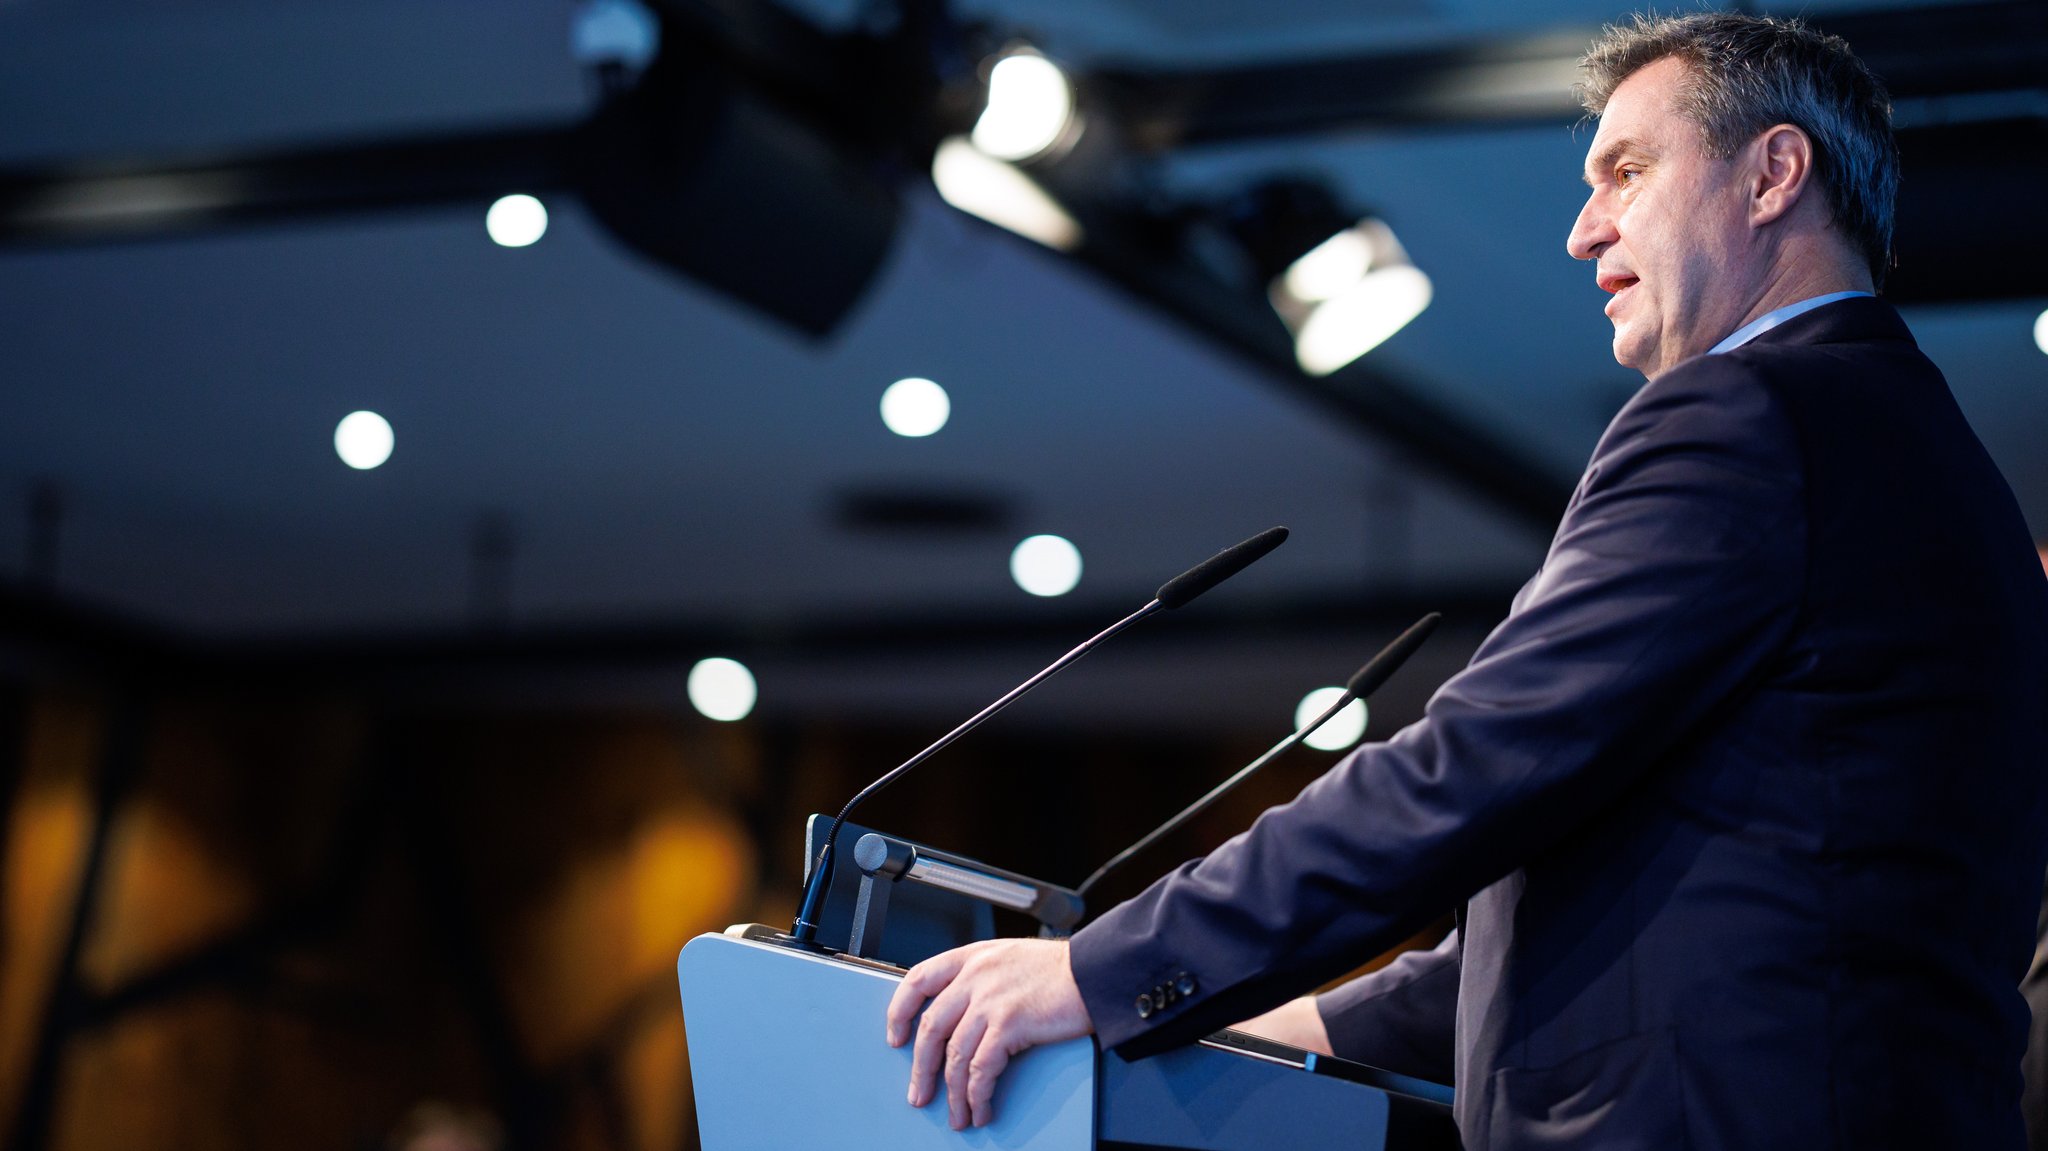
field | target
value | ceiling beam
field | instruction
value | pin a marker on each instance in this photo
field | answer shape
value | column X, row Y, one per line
column 1969, row 84
column 1932, row 50
column 1431, row 437
column 99, row 201
column 38, row 630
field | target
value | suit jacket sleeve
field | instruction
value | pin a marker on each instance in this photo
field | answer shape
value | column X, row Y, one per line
column 1675, row 574
column 1400, row 1017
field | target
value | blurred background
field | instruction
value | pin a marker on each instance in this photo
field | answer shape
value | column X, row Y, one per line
column 474, row 476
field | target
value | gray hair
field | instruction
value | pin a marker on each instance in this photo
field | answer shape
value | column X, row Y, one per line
column 1749, row 73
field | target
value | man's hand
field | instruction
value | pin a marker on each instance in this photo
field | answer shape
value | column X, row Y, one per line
column 1297, row 1023
column 989, row 1001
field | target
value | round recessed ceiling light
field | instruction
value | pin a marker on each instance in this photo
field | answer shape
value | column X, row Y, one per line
column 915, row 407
column 722, row 689
column 363, row 440
column 1046, row 565
column 1344, row 729
column 516, row 221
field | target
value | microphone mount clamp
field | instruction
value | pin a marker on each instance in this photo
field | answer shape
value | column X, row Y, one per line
column 885, row 861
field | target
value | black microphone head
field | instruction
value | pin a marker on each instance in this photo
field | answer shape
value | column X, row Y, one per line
column 1368, row 678
column 1219, row 567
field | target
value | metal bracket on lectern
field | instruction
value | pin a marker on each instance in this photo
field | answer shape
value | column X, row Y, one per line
column 882, row 861
column 885, row 861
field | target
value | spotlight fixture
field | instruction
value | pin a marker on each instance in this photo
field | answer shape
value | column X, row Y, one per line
column 2041, row 332
column 1027, row 120
column 1030, row 109
column 1337, row 276
column 1345, row 296
column 997, row 191
column 708, row 174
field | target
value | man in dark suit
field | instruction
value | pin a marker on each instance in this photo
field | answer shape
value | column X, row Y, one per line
column 1742, row 808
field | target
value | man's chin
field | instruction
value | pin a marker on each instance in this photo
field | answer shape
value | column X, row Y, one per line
column 1631, row 353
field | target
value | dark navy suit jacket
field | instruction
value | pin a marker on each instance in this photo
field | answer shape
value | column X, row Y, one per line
column 1743, row 806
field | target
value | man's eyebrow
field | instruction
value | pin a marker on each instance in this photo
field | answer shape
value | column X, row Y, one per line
column 1613, row 152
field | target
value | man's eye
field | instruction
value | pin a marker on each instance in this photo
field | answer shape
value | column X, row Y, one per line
column 1626, row 176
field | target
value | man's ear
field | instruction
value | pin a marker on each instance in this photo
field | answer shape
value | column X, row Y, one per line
column 1783, row 158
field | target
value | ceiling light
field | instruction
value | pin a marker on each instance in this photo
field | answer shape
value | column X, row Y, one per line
column 1046, row 566
column 2041, row 332
column 1342, row 329
column 1344, row 729
column 1030, row 108
column 722, row 689
column 984, row 186
column 1330, row 267
column 915, row 407
column 1345, row 296
column 620, row 33
column 363, row 440
column 516, row 221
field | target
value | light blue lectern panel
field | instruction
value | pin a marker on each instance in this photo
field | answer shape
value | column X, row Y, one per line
column 786, row 1051
column 1203, row 1099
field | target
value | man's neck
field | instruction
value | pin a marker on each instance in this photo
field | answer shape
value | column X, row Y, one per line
column 1779, row 315
column 1802, row 276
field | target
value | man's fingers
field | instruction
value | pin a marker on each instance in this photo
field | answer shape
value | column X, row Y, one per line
column 960, row 1055
column 989, row 1001
column 919, row 984
column 928, row 1057
column 991, row 1055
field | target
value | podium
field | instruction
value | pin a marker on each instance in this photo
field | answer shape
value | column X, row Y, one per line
column 787, row 1051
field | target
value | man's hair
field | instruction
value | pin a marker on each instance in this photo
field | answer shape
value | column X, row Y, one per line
column 1748, row 73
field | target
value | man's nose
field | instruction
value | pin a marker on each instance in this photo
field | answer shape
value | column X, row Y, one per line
column 1591, row 232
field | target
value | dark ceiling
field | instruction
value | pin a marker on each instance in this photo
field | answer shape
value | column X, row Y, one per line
column 653, row 435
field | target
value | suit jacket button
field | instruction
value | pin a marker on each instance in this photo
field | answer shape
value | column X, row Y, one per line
column 1145, row 1007
column 1184, row 983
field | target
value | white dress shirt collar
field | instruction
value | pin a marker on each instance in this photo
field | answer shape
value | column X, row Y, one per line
column 1772, row 319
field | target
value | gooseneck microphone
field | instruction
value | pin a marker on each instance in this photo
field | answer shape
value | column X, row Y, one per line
column 1174, row 593
column 1177, row 591
column 1362, row 683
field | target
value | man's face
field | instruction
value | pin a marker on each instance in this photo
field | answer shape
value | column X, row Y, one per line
column 1668, row 225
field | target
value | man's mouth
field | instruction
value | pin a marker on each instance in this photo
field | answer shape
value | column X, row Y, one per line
column 1616, row 284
